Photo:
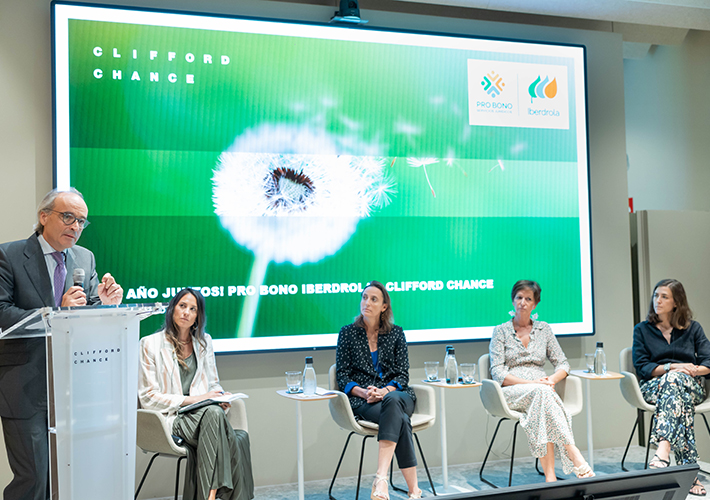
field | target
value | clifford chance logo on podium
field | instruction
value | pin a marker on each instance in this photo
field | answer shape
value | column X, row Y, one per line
column 93, row 356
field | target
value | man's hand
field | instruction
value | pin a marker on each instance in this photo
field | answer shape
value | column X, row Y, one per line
column 74, row 297
column 110, row 292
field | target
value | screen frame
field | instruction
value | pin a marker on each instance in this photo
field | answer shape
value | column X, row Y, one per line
column 60, row 183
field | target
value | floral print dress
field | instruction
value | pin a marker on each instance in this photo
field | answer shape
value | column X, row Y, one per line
column 543, row 414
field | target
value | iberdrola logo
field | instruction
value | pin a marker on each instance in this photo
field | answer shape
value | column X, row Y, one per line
column 493, row 84
column 543, row 88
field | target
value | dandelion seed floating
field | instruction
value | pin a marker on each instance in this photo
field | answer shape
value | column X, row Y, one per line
column 450, row 161
column 497, row 165
column 423, row 162
column 293, row 206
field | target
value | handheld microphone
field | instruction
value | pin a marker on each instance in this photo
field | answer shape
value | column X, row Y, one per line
column 78, row 277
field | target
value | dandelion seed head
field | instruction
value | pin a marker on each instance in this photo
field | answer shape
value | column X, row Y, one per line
column 288, row 188
column 292, row 205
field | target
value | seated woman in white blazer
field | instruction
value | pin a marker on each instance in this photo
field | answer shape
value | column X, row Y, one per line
column 177, row 368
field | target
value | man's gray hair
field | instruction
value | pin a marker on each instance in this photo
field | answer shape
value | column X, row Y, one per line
column 47, row 204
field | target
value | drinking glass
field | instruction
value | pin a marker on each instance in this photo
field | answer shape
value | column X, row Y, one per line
column 432, row 370
column 468, row 372
column 293, row 382
column 589, row 359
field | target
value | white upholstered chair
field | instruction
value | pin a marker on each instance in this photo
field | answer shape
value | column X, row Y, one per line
column 423, row 417
column 154, row 436
column 632, row 394
column 569, row 390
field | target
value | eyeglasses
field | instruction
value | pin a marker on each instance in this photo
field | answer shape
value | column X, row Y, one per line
column 69, row 218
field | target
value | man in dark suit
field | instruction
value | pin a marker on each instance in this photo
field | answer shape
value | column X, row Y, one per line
column 36, row 273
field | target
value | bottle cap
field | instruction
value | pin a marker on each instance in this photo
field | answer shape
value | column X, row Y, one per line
column 600, row 344
column 309, row 360
column 452, row 351
column 449, row 347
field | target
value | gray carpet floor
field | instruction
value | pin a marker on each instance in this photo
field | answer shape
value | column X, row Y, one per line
column 607, row 461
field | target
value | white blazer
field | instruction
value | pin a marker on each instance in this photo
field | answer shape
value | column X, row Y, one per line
column 159, row 386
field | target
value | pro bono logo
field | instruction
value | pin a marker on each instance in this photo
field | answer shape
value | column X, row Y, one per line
column 493, row 84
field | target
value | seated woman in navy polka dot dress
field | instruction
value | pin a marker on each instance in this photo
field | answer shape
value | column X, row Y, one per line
column 372, row 365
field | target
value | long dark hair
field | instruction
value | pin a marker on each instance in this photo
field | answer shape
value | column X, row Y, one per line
column 197, row 330
column 681, row 315
column 386, row 317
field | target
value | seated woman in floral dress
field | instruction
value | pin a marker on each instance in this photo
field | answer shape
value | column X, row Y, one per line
column 519, row 349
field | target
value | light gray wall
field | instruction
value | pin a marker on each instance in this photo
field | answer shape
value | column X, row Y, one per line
column 667, row 133
column 684, row 262
column 25, row 141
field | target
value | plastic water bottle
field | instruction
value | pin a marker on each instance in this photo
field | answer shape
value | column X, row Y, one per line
column 600, row 359
column 309, row 378
column 451, row 369
column 446, row 359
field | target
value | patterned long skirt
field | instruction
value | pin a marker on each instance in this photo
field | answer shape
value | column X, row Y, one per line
column 544, row 419
column 675, row 395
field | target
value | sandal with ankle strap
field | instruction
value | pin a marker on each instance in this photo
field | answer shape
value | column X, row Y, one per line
column 416, row 494
column 376, row 495
column 698, row 484
column 584, row 471
column 658, row 460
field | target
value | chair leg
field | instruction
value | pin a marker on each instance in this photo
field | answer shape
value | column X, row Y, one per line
column 395, row 488
column 512, row 453
column 145, row 474
column 359, row 470
column 177, row 476
column 631, row 437
column 708, row 428
column 488, row 452
column 648, row 443
column 426, row 467
column 330, row 490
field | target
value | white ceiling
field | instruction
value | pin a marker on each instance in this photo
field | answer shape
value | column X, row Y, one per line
column 642, row 23
column 686, row 14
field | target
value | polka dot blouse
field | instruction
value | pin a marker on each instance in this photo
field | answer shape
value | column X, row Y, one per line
column 354, row 362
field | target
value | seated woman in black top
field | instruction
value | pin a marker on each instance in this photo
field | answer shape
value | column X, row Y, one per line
column 671, row 355
column 372, row 365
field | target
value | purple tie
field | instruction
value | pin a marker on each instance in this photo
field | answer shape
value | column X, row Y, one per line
column 60, row 275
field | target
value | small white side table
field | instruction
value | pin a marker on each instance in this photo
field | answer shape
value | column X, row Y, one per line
column 588, row 402
column 443, row 386
column 321, row 394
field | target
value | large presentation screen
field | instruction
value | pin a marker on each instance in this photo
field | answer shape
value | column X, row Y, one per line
column 278, row 167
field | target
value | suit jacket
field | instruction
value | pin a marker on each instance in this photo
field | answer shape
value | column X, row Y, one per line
column 159, row 386
column 353, row 361
column 24, row 287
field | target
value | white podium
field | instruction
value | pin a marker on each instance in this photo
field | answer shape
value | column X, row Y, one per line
column 92, row 383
